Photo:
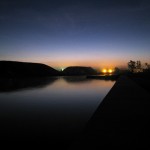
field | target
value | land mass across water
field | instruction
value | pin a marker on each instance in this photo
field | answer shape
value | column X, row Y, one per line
column 14, row 69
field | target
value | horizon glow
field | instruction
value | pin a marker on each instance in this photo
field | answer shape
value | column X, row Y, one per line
column 100, row 34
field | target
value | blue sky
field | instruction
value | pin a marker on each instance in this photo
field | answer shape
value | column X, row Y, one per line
column 61, row 33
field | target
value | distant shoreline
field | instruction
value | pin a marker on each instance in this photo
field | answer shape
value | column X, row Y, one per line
column 15, row 69
column 104, row 77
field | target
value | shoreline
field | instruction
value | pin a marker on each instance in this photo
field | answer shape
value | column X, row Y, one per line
column 103, row 77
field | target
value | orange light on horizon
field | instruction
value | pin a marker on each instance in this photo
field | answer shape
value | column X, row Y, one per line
column 110, row 70
column 104, row 71
column 107, row 70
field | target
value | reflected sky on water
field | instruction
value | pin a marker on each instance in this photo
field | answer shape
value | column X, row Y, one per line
column 49, row 106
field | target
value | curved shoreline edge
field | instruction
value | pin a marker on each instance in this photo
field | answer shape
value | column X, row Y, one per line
column 121, row 120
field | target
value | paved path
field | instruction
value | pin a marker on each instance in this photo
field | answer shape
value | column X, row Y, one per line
column 121, row 121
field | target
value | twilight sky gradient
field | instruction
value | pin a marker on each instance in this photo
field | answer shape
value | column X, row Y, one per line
column 60, row 33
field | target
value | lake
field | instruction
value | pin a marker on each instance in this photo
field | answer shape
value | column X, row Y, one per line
column 48, row 108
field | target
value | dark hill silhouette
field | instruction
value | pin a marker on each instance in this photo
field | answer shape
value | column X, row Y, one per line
column 79, row 70
column 14, row 69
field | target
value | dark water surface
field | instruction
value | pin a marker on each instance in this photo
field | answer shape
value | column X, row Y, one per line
column 50, row 108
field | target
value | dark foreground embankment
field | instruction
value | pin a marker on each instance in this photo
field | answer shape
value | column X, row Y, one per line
column 142, row 79
column 122, row 120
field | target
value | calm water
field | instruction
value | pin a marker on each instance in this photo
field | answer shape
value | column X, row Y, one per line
column 51, row 107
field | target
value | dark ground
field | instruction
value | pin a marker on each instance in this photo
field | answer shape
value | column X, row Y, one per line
column 122, row 120
column 142, row 79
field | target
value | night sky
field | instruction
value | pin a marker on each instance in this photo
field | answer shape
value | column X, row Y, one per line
column 60, row 33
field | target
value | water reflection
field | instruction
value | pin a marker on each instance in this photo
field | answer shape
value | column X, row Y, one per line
column 76, row 79
column 10, row 85
column 54, row 109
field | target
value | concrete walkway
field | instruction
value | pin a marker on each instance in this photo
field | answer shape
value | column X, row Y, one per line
column 122, row 121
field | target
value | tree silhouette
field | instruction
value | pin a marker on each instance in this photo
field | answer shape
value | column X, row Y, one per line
column 132, row 65
column 147, row 66
column 138, row 66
